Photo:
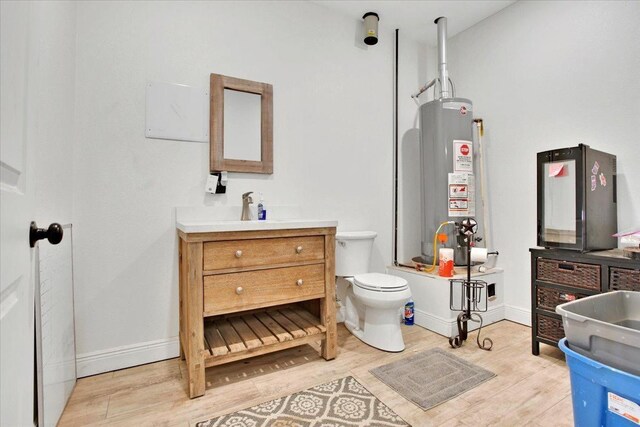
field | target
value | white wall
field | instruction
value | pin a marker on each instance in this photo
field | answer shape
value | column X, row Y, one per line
column 51, row 107
column 332, row 147
column 545, row 75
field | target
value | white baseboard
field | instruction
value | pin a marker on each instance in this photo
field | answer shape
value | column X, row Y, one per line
column 447, row 327
column 517, row 314
column 152, row 351
column 115, row 358
column 432, row 322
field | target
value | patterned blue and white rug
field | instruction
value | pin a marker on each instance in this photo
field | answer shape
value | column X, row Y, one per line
column 344, row 402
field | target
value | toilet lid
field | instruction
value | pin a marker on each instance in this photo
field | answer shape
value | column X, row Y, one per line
column 379, row 282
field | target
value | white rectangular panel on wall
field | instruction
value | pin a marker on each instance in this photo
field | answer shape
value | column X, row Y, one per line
column 178, row 112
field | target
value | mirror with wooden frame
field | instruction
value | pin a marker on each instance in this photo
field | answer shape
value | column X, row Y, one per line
column 241, row 121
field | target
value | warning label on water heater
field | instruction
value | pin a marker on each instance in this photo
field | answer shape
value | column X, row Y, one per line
column 462, row 156
column 461, row 197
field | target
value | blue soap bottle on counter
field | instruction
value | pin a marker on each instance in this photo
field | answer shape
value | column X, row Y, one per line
column 262, row 212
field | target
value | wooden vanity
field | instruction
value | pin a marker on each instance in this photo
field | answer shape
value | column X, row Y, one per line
column 251, row 289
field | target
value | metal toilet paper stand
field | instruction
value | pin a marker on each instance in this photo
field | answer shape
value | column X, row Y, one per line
column 468, row 296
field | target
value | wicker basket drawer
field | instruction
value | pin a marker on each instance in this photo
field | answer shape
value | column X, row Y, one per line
column 578, row 275
column 549, row 298
column 550, row 327
column 623, row 279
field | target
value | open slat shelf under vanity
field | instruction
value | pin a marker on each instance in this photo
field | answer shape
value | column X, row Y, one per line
column 230, row 338
column 247, row 293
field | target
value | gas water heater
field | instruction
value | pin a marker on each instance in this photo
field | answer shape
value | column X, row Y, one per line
column 447, row 160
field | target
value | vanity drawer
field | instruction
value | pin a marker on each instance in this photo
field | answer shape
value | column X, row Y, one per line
column 231, row 292
column 262, row 252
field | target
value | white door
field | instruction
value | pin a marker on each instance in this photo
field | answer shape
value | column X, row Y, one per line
column 36, row 102
column 16, row 207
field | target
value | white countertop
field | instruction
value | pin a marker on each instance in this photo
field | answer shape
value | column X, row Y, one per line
column 199, row 226
column 210, row 219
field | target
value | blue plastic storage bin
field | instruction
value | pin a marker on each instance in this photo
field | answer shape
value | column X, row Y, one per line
column 601, row 395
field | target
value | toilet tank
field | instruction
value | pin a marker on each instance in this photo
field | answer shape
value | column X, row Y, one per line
column 353, row 252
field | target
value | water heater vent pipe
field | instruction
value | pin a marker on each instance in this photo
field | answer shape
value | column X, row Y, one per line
column 442, row 57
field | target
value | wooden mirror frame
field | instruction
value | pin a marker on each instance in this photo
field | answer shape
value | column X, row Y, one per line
column 217, row 162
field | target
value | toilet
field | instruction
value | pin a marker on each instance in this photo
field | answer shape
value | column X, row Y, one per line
column 373, row 301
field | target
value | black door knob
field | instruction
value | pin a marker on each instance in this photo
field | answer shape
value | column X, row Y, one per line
column 53, row 234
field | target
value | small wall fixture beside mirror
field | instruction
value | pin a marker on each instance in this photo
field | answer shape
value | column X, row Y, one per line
column 241, row 134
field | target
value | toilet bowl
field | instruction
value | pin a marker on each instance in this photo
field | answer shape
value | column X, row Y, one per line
column 373, row 300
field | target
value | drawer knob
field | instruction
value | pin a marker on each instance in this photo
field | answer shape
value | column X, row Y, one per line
column 239, row 290
column 299, row 282
column 238, row 254
column 299, row 249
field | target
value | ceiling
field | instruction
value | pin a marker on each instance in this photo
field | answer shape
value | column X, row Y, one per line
column 415, row 18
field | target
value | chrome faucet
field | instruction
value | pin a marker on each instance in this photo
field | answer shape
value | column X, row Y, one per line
column 246, row 201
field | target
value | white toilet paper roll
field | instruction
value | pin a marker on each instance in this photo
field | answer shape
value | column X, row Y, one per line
column 479, row 254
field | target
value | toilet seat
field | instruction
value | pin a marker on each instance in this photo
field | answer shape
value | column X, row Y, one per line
column 378, row 282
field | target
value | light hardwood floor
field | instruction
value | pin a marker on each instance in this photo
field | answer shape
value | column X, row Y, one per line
column 527, row 390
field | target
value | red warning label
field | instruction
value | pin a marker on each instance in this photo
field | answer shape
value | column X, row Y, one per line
column 462, row 156
column 461, row 194
column 458, row 190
